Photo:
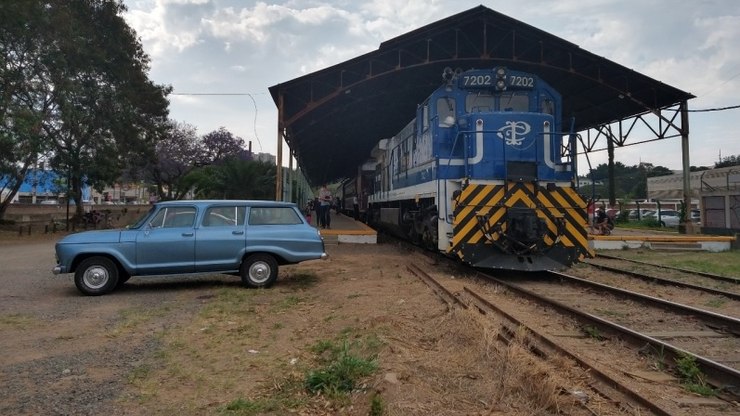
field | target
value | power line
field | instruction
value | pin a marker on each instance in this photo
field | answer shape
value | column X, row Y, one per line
column 250, row 95
column 217, row 93
column 706, row 110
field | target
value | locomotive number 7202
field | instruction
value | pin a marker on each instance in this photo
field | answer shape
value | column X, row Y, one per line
column 477, row 80
column 517, row 81
column 487, row 80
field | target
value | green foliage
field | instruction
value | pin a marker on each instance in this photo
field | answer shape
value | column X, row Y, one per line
column 630, row 182
column 75, row 90
column 733, row 160
column 234, row 179
column 376, row 405
column 593, row 332
column 342, row 369
column 692, row 377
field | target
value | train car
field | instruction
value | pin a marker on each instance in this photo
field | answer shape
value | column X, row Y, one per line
column 484, row 173
column 360, row 187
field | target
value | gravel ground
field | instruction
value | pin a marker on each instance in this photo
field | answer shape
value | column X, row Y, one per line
column 67, row 354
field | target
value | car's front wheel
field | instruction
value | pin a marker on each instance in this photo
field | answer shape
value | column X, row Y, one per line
column 96, row 276
column 259, row 270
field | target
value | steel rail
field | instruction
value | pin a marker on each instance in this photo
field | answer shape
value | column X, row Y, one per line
column 664, row 281
column 718, row 375
column 448, row 297
column 608, row 387
column 726, row 323
column 735, row 280
column 607, row 381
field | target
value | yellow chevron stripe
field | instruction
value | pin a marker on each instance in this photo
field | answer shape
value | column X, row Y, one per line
column 572, row 229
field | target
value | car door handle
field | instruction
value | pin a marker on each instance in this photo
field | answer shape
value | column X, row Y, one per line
column 237, row 232
column 187, row 234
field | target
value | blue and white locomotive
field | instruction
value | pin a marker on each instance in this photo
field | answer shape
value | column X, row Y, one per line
column 484, row 173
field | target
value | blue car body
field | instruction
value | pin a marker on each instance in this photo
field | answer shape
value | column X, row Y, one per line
column 195, row 236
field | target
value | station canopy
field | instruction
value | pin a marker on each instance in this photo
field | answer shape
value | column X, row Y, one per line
column 331, row 119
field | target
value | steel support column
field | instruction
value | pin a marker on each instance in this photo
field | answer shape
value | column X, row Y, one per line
column 686, row 164
column 278, row 171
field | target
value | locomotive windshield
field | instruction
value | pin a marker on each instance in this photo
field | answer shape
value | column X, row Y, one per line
column 476, row 102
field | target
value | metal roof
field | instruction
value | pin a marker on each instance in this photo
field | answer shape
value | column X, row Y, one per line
column 332, row 118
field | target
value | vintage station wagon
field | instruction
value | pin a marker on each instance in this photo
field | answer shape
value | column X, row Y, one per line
column 245, row 238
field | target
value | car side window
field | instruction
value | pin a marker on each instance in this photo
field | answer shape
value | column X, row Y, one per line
column 273, row 216
column 224, row 216
column 174, row 217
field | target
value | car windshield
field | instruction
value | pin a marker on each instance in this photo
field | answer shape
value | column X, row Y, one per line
column 141, row 220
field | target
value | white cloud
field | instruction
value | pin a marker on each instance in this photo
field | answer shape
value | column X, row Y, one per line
column 246, row 46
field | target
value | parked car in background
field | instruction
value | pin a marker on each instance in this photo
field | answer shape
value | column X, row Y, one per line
column 246, row 238
column 633, row 214
column 667, row 217
column 695, row 216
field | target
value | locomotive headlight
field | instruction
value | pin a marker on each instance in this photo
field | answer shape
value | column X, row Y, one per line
column 501, row 73
column 501, row 85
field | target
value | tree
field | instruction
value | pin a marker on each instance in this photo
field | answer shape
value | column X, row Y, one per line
column 234, row 179
column 106, row 106
column 24, row 95
column 177, row 153
column 728, row 161
column 220, row 145
column 630, row 182
column 81, row 75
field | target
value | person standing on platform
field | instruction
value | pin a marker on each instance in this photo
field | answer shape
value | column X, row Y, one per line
column 307, row 211
column 356, row 208
column 325, row 200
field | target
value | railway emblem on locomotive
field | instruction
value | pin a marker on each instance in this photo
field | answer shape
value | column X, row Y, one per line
column 514, row 132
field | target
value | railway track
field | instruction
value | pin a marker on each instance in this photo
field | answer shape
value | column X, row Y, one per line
column 649, row 323
column 728, row 279
column 728, row 287
column 624, row 399
column 643, row 344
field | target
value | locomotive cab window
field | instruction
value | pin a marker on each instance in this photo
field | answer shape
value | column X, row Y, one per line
column 514, row 101
column 547, row 106
column 446, row 111
column 479, row 102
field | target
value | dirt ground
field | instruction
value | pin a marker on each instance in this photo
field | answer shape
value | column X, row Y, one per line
column 205, row 345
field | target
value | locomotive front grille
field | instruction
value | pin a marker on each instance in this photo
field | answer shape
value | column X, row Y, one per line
column 519, row 218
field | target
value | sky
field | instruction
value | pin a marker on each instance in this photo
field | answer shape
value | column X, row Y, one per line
column 203, row 48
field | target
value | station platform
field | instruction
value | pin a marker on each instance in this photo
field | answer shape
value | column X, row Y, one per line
column 345, row 229
column 659, row 240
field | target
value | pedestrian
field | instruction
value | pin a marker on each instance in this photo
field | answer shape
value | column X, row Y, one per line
column 590, row 208
column 356, row 208
column 325, row 200
column 307, row 211
column 602, row 222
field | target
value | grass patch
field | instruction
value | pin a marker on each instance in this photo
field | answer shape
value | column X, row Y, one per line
column 300, row 281
column 18, row 321
column 725, row 263
column 134, row 318
column 593, row 332
column 342, row 365
column 287, row 302
column 692, row 378
column 715, row 303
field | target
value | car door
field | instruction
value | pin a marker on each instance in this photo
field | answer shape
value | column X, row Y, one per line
column 167, row 244
column 221, row 241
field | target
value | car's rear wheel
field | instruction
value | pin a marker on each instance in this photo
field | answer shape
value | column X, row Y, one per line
column 259, row 270
column 96, row 276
